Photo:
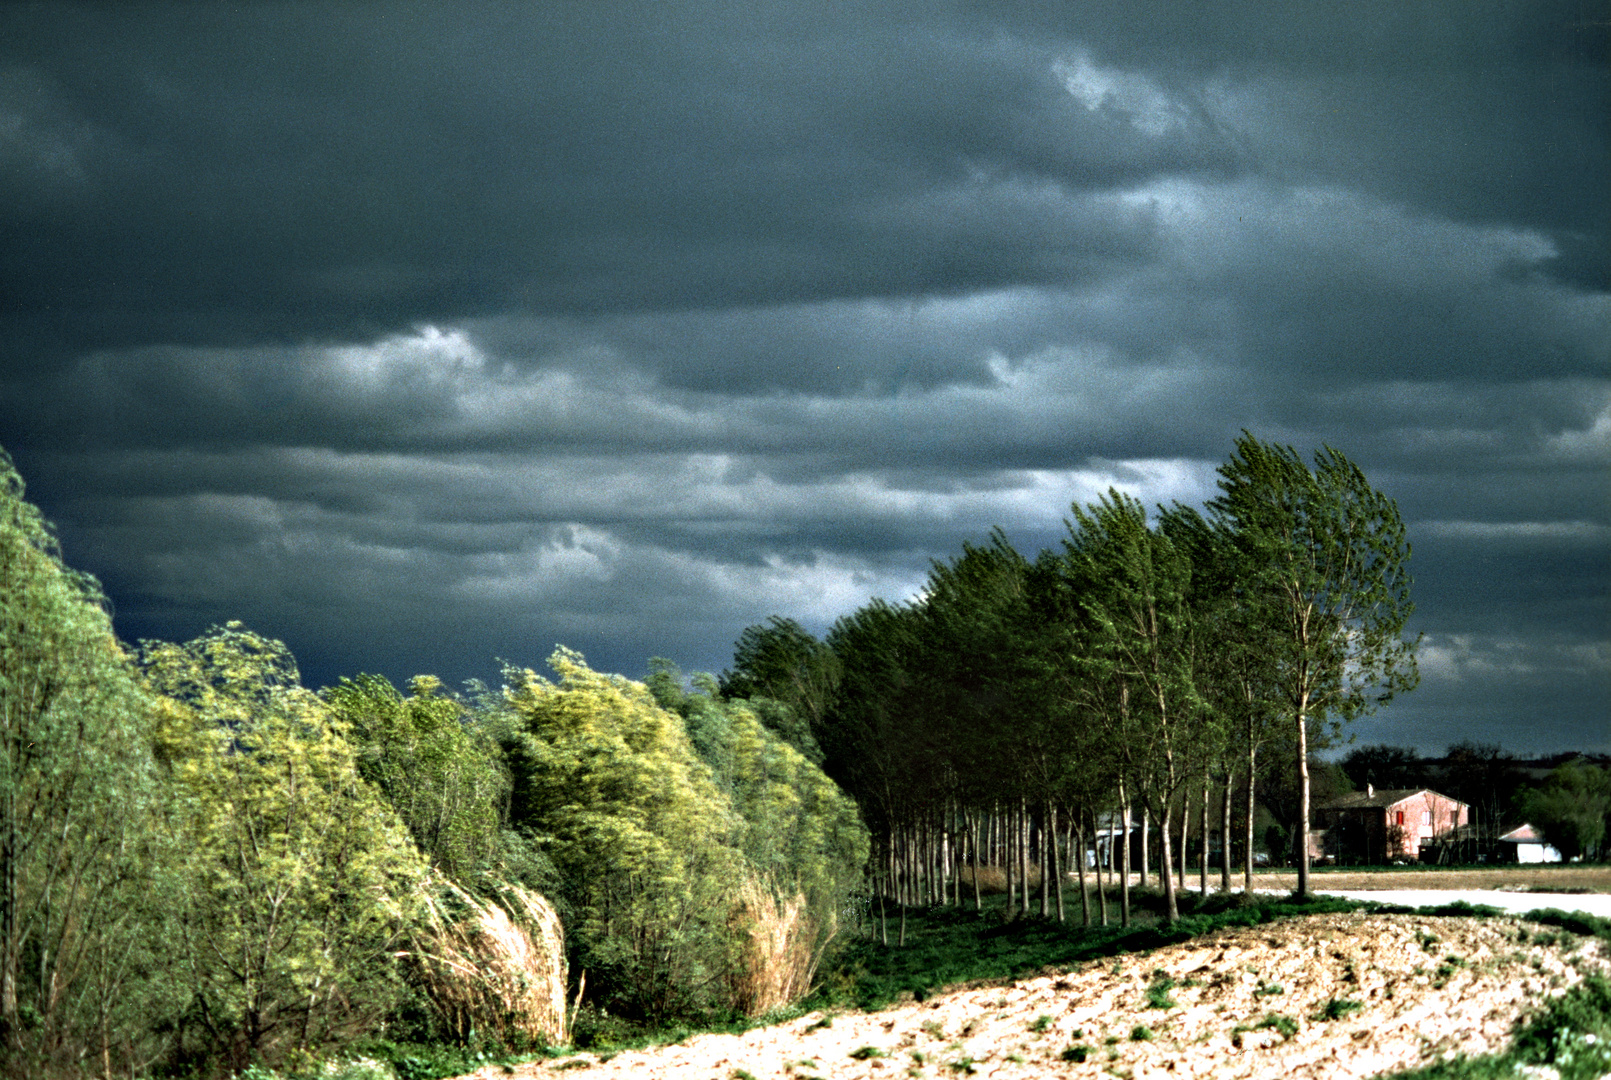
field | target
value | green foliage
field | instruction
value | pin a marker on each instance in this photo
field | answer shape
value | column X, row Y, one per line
column 82, row 865
column 442, row 774
column 1158, row 991
column 299, row 879
column 783, row 662
column 636, row 826
column 1338, row 1009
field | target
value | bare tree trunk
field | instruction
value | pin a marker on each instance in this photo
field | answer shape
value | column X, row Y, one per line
column 1204, row 830
column 1166, row 859
column 1146, row 847
column 1252, row 812
column 1101, row 887
column 978, row 905
column 1124, row 873
column 1078, row 826
column 1225, row 836
column 1185, row 832
column 1057, row 860
column 1303, row 795
column 1023, row 853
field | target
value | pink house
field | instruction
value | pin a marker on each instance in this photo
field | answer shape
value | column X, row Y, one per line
column 1373, row 826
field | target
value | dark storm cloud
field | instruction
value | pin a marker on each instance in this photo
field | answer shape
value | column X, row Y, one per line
column 418, row 335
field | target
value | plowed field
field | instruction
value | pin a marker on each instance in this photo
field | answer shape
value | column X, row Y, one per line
column 1331, row 996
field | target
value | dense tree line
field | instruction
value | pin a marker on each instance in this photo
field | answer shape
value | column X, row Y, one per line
column 1021, row 705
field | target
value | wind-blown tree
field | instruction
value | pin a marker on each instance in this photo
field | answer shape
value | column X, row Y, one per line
column 868, row 733
column 82, row 862
column 799, row 832
column 782, row 661
column 609, row 784
column 440, row 773
column 301, row 881
column 1235, row 670
column 1131, row 582
column 1326, row 561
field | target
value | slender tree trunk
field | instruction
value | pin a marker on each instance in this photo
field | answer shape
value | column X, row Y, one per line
column 1303, row 794
column 1124, row 871
column 1166, row 859
column 1252, row 812
column 1007, row 861
column 1185, row 833
column 1101, row 886
column 1078, row 826
column 1146, row 848
column 978, row 905
column 1204, row 830
column 1048, row 858
column 1225, row 836
column 1058, row 862
column 1023, row 854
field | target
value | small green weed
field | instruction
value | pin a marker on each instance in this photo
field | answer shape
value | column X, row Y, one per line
column 863, row 1053
column 963, row 1065
column 1338, row 1008
column 1269, row 990
column 1040, row 1023
column 1076, row 1052
column 1141, row 1033
column 1287, row 1026
column 741, row 1074
column 1158, row 991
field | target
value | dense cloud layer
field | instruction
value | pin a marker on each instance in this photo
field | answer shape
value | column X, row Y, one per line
column 420, row 335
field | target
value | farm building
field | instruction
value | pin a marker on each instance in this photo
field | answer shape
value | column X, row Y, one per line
column 1525, row 844
column 1373, row 826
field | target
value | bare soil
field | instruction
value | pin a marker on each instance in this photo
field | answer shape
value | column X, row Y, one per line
column 1248, row 1002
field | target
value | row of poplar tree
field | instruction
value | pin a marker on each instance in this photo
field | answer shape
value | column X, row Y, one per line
column 205, row 865
column 1020, row 700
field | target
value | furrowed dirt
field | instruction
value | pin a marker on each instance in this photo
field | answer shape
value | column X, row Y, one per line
column 1348, row 995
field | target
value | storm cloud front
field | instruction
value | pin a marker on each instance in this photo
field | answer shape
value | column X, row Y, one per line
column 423, row 335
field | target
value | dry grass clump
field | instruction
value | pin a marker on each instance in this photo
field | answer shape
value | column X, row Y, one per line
column 993, row 879
column 776, row 958
column 495, row 967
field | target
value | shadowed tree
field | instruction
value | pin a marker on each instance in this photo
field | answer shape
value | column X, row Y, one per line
column 1326, row 562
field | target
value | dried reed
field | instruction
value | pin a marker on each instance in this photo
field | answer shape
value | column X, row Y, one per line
column 993, row 879
column 776, row 954
column 494, row 967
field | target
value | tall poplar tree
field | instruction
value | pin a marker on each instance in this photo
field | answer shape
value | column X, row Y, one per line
column 1325, row 558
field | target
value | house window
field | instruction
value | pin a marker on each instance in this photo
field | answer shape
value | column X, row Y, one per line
column 1426, row 817
column 1401, row 817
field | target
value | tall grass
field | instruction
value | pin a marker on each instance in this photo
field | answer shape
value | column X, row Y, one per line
column 775, row 941
column 494, row 967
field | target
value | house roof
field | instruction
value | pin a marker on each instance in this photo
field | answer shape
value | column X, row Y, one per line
column 1523, row 834
column 1359, row 800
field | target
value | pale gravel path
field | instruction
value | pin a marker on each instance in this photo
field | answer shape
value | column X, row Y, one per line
column 1428, row 986
column 1517, row 903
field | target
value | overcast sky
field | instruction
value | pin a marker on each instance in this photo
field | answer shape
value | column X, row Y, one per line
column 422, row 335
